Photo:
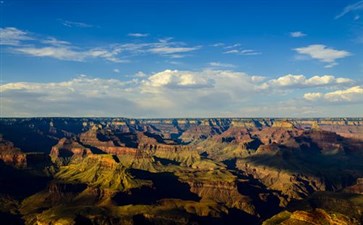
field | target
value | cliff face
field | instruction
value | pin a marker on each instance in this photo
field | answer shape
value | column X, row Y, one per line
column 356, row 188
column 11, row 155
column 290, row 184
column 67, row 149
column 317, row 216
column 98, row 171
column 224, row 193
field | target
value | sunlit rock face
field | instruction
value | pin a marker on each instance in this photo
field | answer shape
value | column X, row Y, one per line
column 181, row 171
column 11, row 155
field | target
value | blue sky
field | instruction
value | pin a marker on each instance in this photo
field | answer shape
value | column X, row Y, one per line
column 176, row 58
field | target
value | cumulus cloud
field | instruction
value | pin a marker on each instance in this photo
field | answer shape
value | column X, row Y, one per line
column 312, row 96
column 300, row 81
column 297, row 34
column 351, row 8
column 80, row 96
column 177, row 79
column 323, row 54
column 352, row 94
column 13, row 36
column 168, row 93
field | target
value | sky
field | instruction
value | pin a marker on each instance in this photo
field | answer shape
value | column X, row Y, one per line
column 181, row 58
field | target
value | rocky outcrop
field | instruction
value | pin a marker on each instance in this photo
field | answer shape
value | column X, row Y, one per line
column 290, row 184
column 278, row 135
column 328, row 142
column 100, row 171
column 66, row 149
column 283, row 124
column 223, row 192
column 58, row 192
column 356, row 188
column 315, row 217
column 11, row 155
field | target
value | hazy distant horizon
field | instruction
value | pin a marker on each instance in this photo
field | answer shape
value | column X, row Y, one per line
column 181, row 118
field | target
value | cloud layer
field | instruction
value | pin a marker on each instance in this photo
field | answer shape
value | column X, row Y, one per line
column 300, row 81
column 353, row 94
column 173, row 93
column 22, row 42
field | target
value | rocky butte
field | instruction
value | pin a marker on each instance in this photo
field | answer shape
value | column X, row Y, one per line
column 181, row 171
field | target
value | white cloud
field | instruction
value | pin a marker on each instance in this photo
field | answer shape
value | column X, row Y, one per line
column 323, row 53
column 116, row 70
column 242, row 52
column 352, row 94
column 62, row 53
column 164, row 48
column 21, row 42
column 258, row 79
column 140, row 74
column 166, row 39
column 219, row 64
column 219, row 44
column 351, row 8
column 234, row 51
column 70, row 54
column 174, row 62
column 171, row 50
column 68, row 23
column 297, row 34
column 55, row 42
column 300, row 81
column 175, row 78
column 137, row 35
column 341, row 80
column 232, row 46
column 63, row 50
column 166, row 93
column 13, row 36
column 312, row 96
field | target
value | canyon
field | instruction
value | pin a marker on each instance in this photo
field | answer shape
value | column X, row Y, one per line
column 181, row 171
